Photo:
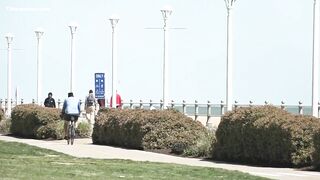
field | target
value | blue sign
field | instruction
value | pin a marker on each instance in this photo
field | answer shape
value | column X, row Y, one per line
column 99, row 85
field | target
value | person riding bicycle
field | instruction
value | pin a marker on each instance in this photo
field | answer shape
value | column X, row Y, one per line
column 71, row 109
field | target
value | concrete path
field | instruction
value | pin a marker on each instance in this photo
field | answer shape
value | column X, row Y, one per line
column 85, row 148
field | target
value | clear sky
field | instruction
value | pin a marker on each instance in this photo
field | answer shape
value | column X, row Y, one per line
column 272, row 48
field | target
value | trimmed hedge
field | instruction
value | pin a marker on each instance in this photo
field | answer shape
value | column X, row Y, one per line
column 266, row 135
column 38, row 122
column 147, row 129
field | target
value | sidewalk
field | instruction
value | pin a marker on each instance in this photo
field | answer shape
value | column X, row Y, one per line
column 84, row 148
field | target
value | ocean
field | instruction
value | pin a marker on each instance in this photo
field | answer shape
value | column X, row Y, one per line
column 216, row 109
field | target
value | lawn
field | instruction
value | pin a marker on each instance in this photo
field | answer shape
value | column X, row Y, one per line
column 20, row 161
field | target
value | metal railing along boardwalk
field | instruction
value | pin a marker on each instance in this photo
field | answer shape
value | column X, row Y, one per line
column 194, row 109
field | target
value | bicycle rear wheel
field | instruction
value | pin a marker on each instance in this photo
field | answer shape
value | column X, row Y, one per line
column 69, row 133
column 73, row 133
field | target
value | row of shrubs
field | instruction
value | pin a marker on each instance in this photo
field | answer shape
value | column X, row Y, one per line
column 33, row 121
column 167, row 130
column 263, row 135
column 267, row 135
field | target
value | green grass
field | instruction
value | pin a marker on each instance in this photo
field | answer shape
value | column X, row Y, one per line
column 20, row 161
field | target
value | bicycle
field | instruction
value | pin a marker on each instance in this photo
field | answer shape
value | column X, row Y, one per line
column 71, row 129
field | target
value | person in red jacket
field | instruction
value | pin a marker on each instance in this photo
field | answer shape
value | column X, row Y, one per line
column 118, row 101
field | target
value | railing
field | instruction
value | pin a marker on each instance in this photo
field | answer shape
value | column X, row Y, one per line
column 59, row 104
column 194, row 109
column 209, row 109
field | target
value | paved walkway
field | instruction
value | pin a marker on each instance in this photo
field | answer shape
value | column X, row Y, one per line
column 85, row 148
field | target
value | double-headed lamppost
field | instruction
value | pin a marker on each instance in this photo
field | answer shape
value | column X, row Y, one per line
column 165, row 13
column 315, row 62
column 229, row 5
column 73, row 28
column 39, row 32
column 114, row 21
column 9, row 38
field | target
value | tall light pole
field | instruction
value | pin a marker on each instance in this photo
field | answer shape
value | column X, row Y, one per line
column 9, row 38
column 73, row 28
column 39, row 32
column 229, row 96
column 114, row 21
column 165, row 13
column 315, row 61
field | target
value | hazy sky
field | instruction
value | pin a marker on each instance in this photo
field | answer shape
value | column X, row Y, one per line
column 272, row 48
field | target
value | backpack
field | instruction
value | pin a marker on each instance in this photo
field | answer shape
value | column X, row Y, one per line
column 90, row 100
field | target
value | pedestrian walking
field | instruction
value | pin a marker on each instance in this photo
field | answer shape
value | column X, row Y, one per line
column 90, row 107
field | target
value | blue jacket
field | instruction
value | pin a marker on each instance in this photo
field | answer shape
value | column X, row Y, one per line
column 71, row 106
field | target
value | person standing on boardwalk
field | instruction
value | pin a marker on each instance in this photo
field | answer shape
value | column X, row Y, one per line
column 49, row 101
column 118, row 101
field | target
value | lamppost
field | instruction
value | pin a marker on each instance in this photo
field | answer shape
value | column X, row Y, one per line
column 315, row 61
column 39, row 32
column 9, row 38
column 73, row 28
column 229, row 5
column 166, row 12
column 114, row 21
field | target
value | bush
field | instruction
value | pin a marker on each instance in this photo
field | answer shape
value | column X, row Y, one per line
column 147, row 129
column 34, row 121
column 5, row 126
column 83, row 130
column 203, row 147
column 265, row 135
column 1, row 114
column 316, row 153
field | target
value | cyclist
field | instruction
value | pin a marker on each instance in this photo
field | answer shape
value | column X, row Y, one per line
column 71, row 108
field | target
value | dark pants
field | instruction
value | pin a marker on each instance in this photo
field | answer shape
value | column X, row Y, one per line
column 67, row 118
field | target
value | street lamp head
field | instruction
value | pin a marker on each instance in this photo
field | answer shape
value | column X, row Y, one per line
column 229, row 3
column 73, row 27
column 166, row 12
column 114, row 19
column 9, row 38
column 39, row 32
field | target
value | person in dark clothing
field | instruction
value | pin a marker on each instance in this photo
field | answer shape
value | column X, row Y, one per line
column 49, row 101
